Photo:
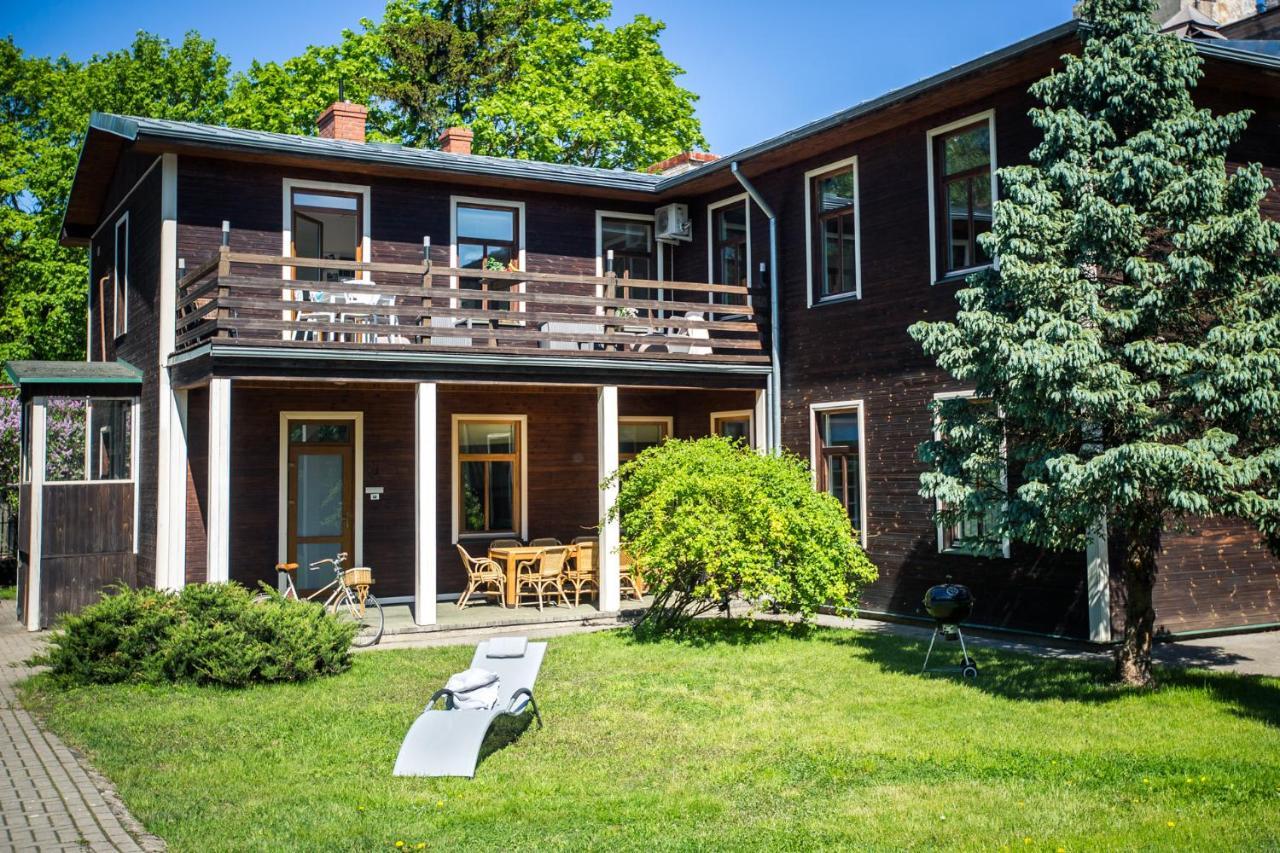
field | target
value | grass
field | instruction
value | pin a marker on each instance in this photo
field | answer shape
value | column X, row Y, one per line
column 760, row 737
column 8, row 593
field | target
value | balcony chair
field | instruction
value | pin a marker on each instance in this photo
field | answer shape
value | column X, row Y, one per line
column 481, row 572
column 544, row 572
column 694, row 334
column 583, row 572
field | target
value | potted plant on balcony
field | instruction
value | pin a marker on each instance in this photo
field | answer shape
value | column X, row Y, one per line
column 492, row 264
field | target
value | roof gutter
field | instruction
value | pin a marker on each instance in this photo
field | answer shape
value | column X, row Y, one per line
column 775, row 315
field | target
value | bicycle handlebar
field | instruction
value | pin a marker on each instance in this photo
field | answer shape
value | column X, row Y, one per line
column 336, row 562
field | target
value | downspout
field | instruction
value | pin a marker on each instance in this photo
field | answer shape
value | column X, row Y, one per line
column 775, row 326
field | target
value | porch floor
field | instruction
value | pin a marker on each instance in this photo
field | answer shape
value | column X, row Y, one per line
column 399, row 617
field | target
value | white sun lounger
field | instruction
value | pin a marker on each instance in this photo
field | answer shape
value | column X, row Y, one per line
column 446, row 741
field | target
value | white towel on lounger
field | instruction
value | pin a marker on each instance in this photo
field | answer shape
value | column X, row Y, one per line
column 474, row 689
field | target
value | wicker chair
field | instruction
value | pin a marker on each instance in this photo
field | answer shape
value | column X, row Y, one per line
column 543, row 572
column 545, row 542
column 584, row 571
column 506, row 543
column 627, row 576
column 481, row 572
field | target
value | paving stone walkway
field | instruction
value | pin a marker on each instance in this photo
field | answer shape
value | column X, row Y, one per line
column 50, row 798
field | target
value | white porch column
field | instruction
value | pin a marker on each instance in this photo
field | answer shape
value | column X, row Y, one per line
column 171, row 456
column 607, row 450
column 424, row 503
column 760, row 422
column 35, row 523
column 219, row 483
column 1098, row 584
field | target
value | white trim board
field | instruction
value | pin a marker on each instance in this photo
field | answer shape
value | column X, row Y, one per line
column 810, row 301
column 990, row 116
column 454, row 467
column 518, row 206
column 836, row 406
column 282, row 493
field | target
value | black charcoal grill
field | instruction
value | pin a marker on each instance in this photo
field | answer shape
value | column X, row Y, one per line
column 950, row 604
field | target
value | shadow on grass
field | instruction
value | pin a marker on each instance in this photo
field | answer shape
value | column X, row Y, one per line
column 504, row 732
column 718, row 630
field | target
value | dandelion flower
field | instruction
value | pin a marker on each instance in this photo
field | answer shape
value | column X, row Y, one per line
column 399, row 843
column 439, row 804
column 1170, row 824
column 1027, row 840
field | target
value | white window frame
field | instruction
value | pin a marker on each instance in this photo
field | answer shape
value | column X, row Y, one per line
column 990, row 117
column 745, row 201
column 282, row 495
column 601, row 216
column 522, row 425
column 735, row 414
column 816, row 411
column 120, row 295
column 810, row 293
column 286, row 224
column 1005, row 545
column 518, row 206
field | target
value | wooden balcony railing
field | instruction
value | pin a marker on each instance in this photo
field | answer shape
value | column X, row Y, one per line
column 246, row 299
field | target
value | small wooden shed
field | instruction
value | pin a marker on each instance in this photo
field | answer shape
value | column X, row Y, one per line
column 78, row 487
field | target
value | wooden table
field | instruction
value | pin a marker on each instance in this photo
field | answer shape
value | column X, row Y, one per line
column 513, row 556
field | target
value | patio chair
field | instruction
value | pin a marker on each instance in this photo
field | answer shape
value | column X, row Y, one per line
column 543, row 572
column 481, row 572
column 544, row 542
column 627, row 576
column 583, row 572
column 506, row 543
column 446, row 741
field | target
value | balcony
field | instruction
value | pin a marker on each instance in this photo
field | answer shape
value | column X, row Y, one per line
column 236, row 299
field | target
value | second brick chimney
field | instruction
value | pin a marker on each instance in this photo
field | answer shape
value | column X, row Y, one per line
column 456, row 140
column 343, row 120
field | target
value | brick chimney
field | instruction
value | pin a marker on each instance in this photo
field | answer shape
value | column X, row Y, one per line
column 343, row 120
column 682, row 162
column 456, row 140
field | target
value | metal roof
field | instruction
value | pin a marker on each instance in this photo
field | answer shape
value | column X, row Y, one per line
column 130, row 127
column 72, row 373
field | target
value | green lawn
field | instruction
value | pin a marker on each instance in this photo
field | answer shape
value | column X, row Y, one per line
column 8, row 593
column 758, row 738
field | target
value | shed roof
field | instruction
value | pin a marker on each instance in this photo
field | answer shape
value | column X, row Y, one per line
column 28, row 373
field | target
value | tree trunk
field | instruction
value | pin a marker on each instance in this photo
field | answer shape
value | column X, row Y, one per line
column 1133, row 658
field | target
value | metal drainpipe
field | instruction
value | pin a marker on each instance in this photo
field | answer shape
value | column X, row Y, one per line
column 775, row 325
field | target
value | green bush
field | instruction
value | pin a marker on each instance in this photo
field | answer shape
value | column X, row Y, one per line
column 207, row 634
column 711, row 520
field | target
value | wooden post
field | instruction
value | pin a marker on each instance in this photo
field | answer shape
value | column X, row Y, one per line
column 607, row 448
column 218, row 531
column 424, row 503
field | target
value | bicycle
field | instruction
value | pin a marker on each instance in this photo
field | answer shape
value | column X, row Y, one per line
column 349, row 597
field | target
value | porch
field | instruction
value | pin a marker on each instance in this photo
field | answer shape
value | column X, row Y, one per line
column 399, row 474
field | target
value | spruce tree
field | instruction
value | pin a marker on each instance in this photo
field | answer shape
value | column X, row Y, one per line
column 1128, row 336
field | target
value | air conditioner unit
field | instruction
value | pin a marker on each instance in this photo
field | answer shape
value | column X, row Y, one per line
column 673, row 223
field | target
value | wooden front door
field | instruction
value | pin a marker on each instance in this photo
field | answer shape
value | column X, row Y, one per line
column 321, row 502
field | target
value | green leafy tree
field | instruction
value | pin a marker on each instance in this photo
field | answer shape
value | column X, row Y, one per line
column 1129, row 337
column 711, row 520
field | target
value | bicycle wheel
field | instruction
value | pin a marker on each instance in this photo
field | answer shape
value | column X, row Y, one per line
column 370, row 622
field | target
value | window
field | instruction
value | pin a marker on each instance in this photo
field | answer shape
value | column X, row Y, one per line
column 730, row 249
column 961, row 162
column 488, row 475
column 120, row 277
column 971, row 535
column 831, row 196
column 87, row 439
column 838, row 462
column 110, row 439
column 735, row 425
column 634, row 256
column 326, row 225
column 487, row 238
column 636, row 435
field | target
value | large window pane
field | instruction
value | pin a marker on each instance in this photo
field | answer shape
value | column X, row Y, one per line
column 473, row 517
column 65, row 439
column 636, row 437
column 111, row 440
column 842, row 429
column 967, row 149
column 486, row 223
column 320, row 494
column 836, row 191
column 501, row 496
column 484, row 438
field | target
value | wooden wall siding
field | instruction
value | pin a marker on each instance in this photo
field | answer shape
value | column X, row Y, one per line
column 197, row 493
column 68, row 584
column 140, row 345
column 560, row 446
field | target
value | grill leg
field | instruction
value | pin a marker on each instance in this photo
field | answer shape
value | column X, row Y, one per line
column 932, row 640
column 963, row 650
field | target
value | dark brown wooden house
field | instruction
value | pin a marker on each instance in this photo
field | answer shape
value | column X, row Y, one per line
column 351, row 345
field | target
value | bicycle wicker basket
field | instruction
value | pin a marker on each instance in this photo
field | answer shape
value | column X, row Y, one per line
column 358, row 576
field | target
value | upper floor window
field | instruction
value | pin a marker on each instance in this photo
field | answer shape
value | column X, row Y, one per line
column 634, row 255
column 326, row 225
column 487, row 237
column 120, row 277
column 730, row 254
column 962, row 162
column 831, row 194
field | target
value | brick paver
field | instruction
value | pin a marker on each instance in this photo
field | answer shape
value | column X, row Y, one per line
column 50, row 798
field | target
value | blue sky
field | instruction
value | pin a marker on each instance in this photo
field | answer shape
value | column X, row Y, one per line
column 761, row 66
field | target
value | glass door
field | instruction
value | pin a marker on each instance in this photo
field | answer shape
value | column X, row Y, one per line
column 321, row 506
